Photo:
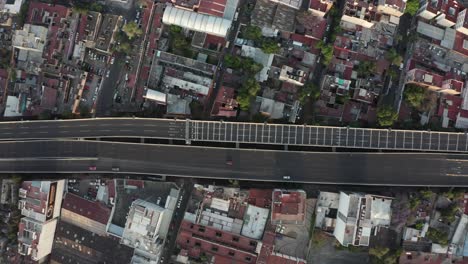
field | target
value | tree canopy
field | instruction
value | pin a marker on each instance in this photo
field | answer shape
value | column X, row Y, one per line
column 242, row 63
column 132, row 30
column 414, row 95
column 249, row 89
column 365, row 68
column 437, row 236
column 270, row 46
column 386, row 116
column 393, row 56
column 326, row 50
column 252, row 32
column 309, row 90
column 412, row 7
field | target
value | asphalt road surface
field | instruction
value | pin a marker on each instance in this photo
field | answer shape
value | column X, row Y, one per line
column 259, row 165
column 328, row 136
column 100, row 127
column 106, row 97
column 234, row 132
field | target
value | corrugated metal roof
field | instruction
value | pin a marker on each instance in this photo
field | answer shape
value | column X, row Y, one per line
column 196, row 22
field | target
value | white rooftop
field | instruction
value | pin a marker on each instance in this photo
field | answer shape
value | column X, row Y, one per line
column 12, row 107
column 254, row 222
column 195, row 21
column 381, row 211
column 154, row 95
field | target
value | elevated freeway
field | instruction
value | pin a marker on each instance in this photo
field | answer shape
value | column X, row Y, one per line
column 73, row 156
column 235, row 132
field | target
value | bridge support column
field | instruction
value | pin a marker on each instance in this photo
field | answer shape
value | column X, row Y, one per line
column 286, row 147
column 142, row 140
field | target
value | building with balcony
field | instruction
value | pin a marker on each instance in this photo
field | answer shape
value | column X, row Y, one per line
column 359, row 215
column 40, row 203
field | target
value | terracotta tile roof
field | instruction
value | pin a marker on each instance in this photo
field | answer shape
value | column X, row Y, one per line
column 38, row 9
column 212, row 7
column 93, row 210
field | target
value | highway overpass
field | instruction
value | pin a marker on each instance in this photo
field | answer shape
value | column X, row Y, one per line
column 235, row 132
column 72, row 156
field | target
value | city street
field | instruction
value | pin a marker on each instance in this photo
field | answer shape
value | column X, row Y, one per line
column 408, row 169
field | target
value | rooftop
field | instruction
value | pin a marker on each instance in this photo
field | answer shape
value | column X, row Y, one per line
column 270, row 15
column 93, row 210
column 75, row 244
column 43, row 13
column 31, row 37
column 255, row 220
column 322, row 6
column 34, row 199
column 225, row 103
column 291, row 3
column 288, row 207
column 197, row 22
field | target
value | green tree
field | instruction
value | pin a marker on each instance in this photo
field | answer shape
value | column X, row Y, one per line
column 250, row 66
column 12, row 74
column 419, row 225
column 393, row 56
column 233, row 62
column 379, row 252
column 96, row 7
column 124, row 47
column 251, row 87
column 252, row 32
column 414, row 95
column 180, row 43
column 270, row 46
column 174, row 29
column 386, row 116
column 327, row 53
column 23, row 13
column 412, row 7
column 414, row 202
column 437, row 236
column 448, row 213
column 309, row 90
column 243, row 99
column 365, row 68
column 426, row 194
column 132, row 30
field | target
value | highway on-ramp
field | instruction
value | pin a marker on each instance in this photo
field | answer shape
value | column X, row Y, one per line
column 70, row 156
